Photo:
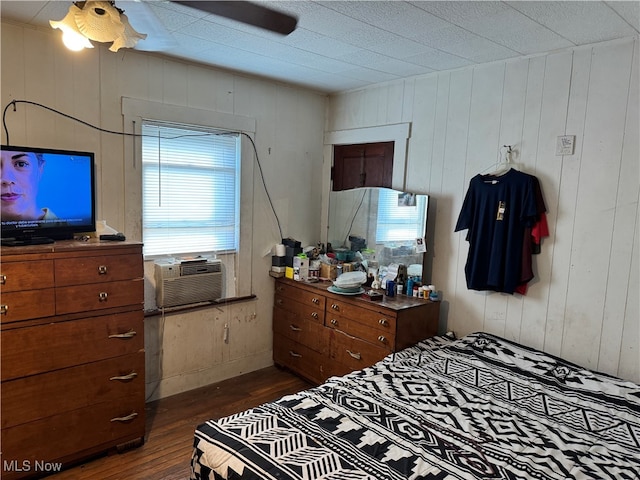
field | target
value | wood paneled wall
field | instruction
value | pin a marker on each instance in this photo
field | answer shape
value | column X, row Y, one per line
column 584, row 302
column 184, row 351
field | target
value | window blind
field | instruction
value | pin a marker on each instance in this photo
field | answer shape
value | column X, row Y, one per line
column 190, row 181
column 397, row 220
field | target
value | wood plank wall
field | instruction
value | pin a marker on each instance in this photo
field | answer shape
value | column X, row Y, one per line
column 185, row 350
column 583, row 303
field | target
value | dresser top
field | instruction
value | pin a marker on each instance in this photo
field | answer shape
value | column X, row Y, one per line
column 62, row 248
column 397, row 302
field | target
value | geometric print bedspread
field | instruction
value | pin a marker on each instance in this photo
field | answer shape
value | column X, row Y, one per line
column 480, row 407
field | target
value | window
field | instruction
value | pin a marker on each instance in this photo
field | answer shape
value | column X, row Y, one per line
column 401, row 216
column 190, row 189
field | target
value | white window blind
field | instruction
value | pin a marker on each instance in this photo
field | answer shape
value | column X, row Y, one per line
column 191, row 192
column 397, row 220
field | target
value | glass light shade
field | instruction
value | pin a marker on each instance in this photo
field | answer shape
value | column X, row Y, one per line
column 74, row 41
column 71, row 36
column 99, row 21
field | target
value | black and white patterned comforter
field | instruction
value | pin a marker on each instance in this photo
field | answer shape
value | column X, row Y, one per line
column 480, row 407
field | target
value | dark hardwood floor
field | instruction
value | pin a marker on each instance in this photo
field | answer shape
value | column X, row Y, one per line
column 171, row 423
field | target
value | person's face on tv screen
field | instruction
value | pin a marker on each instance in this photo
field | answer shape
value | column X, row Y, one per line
column 20, row 173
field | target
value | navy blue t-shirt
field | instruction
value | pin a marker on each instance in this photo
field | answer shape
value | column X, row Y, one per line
column 496, row 211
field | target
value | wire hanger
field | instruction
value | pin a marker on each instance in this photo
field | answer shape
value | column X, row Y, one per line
column 504, row 163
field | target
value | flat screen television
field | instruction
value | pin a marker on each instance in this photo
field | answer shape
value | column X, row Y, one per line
column 47, row 194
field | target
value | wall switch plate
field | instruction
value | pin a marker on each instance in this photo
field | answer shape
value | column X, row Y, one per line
column 565, row 145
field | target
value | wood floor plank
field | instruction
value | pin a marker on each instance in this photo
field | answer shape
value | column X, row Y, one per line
column 171, row 423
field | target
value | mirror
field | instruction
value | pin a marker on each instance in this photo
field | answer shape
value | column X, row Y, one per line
column 386, row 223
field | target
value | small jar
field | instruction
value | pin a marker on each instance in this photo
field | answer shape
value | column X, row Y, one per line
column 420, row 292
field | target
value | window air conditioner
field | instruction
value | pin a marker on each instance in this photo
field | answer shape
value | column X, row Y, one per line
column 185, row 282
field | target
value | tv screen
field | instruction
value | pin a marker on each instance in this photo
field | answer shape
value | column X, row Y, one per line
column 47, row 194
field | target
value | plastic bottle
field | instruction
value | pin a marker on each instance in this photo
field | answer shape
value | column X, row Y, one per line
column 400, row 285
column 409, row 286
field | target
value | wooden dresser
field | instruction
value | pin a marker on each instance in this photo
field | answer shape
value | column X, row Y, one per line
column 72, row 353
column 318, row 334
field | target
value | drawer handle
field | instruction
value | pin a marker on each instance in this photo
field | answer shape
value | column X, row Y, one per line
column 280, row 289
column 279, row 301
column 102, row 296
column 294, row 354
column 102, row 270
column 334, row 321
column 315, row 300
column 124, row 378
column 128, row 418
column 357, row 356
column 382, row 339
column 126, row 335
column 335, row 306
column 4, row 309
column 314, row 315
column 294, row 328
column 3, row 279
column 383, row 322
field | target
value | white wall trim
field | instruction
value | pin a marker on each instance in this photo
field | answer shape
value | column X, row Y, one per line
column 132, row 107
column 381, row 133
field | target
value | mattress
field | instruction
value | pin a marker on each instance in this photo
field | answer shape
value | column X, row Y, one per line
column 479, row 407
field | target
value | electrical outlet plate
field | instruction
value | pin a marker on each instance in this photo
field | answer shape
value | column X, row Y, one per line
column 565, row 145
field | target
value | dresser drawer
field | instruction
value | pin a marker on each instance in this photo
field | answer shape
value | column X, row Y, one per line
column 299, row 358
column 54, row 438
column 300, row 330
column 16, row 306
column 99, row 269
column 300, row 295
column 17, row 276
column 354, row 352
column 97, row 296
column 39, row 396
column 301, row 310
column 384, row 322
column 32, row 350
column 385, row 339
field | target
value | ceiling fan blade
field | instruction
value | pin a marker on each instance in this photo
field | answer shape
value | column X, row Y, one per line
column 246, row 12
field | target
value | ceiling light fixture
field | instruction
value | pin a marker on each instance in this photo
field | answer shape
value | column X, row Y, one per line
column 100, row 21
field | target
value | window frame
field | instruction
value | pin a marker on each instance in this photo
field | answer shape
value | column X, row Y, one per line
column 133, row 111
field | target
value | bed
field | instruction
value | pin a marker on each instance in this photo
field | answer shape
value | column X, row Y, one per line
column 478, row 407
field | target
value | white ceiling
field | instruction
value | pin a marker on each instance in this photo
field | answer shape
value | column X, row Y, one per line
column 342, row 45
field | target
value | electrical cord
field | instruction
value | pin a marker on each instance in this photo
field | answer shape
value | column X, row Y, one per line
column 266, row 190
column 353, row 219
column 125, row 134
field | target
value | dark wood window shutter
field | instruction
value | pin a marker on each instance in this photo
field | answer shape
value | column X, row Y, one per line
column 362, row 165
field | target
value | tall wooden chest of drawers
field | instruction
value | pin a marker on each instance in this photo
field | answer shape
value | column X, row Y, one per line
column 318, row 334
column 72, row 353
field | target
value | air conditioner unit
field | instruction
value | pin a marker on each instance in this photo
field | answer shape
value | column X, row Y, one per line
column 182, row 283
